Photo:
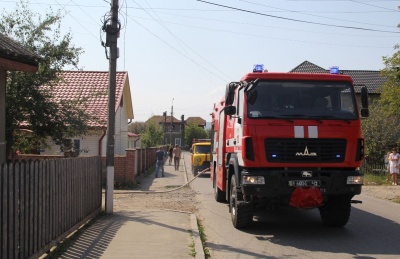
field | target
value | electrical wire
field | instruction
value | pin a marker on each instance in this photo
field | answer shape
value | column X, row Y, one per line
column 380, row 7
column 294, row 20
column 314, row 15
column 172, row 47
column 275, row 38
column 180, row 42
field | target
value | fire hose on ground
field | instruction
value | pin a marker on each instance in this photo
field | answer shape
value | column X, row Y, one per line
column 172, row 190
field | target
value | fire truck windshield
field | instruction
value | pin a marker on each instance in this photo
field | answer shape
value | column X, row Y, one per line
column 302, row 100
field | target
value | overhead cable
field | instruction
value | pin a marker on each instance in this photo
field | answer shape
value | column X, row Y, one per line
column 295, row 20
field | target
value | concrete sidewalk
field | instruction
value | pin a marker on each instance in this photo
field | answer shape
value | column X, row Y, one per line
column 142, row 234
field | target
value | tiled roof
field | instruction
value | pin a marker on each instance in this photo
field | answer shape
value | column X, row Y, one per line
column 93, row 85
column 133, row 135
column 308, row 67
column 370, row 78
column 12, row 50
column 159, row 119
column 196, row 121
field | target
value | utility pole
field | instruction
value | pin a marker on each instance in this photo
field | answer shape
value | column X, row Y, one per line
column 112, row 36
column 172, row 125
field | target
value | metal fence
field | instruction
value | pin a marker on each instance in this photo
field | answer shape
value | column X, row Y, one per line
column 373, row 168
column 41, row 202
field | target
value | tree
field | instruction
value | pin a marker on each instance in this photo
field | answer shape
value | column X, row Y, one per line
column 152, row 135
column 380, row 133
column 136, row 127
column 391, row 89
column 193, row 131
column 28, row 105
column 381, row 128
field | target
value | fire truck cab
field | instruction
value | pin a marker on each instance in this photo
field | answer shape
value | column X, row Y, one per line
column 288, row 139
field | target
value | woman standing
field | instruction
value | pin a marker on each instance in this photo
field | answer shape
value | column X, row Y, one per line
column 394, row 165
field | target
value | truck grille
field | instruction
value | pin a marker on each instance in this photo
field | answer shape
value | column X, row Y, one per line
column 298, row 150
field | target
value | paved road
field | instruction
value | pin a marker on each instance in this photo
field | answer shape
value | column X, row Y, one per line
column 372, row 232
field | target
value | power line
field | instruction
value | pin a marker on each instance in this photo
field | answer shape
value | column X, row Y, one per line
column 358, row 2
column 269, row 37
column 183, row 54
column 294, row 20
column 314, row 15
column 262, row 25
column 182, row 42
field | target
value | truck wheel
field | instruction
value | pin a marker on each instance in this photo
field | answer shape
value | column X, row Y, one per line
column 336, row 212
column 195, row 170
column 218, row 194
column 241, row 212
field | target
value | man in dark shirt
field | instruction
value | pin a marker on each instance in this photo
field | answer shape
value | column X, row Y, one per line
column 160, row 161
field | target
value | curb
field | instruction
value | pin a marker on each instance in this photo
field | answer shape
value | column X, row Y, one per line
column 196, row 237
column 198, row 245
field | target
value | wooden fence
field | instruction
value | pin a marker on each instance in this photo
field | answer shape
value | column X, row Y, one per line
column 41, row 202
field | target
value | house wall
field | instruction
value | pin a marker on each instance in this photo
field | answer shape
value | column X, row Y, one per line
column 134, row 142
column 89, row 145
column 121, row 131
column 120, row 134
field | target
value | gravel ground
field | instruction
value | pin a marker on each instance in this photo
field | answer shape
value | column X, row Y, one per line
column 184, row 199
column 385, row 192
column 180, row 200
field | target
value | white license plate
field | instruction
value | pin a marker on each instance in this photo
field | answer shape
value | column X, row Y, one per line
column 305, row 183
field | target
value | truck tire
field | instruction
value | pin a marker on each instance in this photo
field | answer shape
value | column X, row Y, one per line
column 336, row 212
column 219, row 195
column 241, row 212
column 194, row 170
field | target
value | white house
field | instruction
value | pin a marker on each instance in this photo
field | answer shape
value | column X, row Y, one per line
column 92, row 86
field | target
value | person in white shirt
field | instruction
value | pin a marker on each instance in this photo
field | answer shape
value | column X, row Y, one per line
column 394, row 165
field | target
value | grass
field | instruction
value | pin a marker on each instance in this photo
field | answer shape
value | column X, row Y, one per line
column 192, row 247
column 376, row 179
column 203, row 238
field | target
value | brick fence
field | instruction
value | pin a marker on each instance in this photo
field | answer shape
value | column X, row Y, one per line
column 126, row 168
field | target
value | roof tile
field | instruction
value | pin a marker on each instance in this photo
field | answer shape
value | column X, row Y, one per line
column 92, row 87
column 372, row 79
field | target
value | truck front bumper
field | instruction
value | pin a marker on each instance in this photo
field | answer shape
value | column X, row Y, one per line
column 280, row 183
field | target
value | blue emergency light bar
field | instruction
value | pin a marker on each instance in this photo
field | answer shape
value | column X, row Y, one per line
column 258, row 68
column 334, row 70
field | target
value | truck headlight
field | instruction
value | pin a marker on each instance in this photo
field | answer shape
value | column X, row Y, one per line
column 198, row 159
column 253, row 179
column 355, row 179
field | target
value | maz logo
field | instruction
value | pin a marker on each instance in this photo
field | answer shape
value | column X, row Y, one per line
column 306, row 153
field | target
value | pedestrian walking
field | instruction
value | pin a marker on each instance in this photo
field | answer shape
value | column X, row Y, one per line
column 394, row 165
column 170, row 150
column 177, row 152
column 160, row 161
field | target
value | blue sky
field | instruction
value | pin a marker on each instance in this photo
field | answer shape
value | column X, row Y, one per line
column 183, row 52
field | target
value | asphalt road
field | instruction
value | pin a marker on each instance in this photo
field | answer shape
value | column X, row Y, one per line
column 373, row 230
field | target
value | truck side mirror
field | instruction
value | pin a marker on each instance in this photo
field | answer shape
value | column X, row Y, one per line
column 364, row 97
column 364, row 112
column 364, row 102
column 230, row 110
column 230, row 93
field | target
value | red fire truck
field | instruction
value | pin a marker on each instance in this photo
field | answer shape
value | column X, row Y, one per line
column 288, row 139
